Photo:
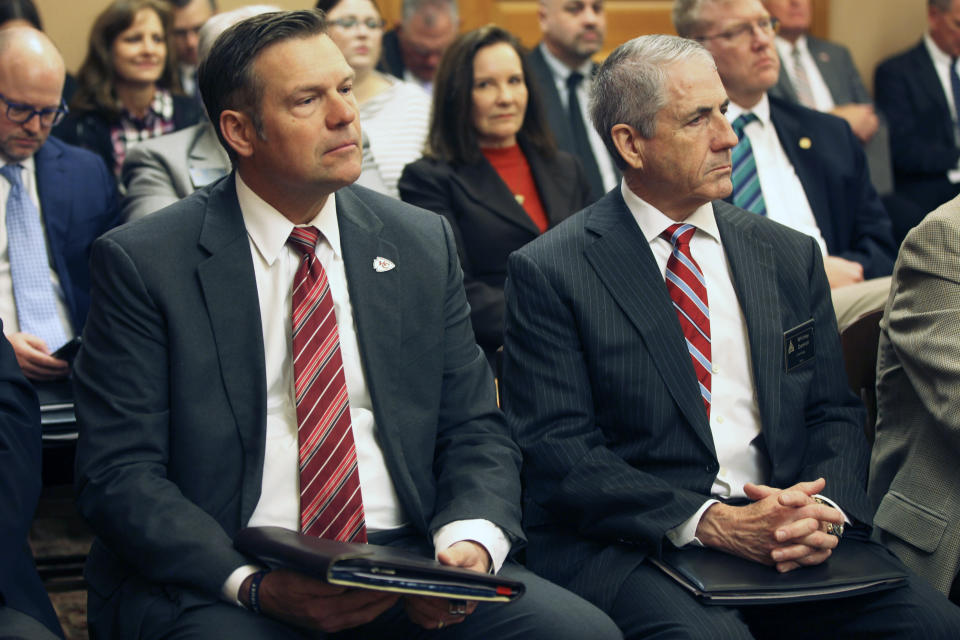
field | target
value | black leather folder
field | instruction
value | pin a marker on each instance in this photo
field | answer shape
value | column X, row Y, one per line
column 369, row 566
column 855, row 567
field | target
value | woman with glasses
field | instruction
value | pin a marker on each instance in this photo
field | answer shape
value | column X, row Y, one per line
column 393, row 114
column 492, row 168
column 127, row 83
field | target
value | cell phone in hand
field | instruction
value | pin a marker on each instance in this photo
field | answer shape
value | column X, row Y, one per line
column 68, row 351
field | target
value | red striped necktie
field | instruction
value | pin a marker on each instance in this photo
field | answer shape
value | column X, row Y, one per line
column 688, row 290
column 331, row 505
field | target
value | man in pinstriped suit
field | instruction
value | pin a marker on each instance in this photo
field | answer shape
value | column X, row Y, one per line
column 626, row 450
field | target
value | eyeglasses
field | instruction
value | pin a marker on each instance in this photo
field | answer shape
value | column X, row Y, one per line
column 23, row 113
column 767, row 26
column 352, row 21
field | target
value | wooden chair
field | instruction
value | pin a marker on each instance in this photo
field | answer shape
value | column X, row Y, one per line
column 859, row 341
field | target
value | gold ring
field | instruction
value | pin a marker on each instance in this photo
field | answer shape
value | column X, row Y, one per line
column 440, row 624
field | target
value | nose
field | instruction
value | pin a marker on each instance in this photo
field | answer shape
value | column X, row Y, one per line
column 760, row 35
column 33, row 124
column 343, row 111
column 725, row 138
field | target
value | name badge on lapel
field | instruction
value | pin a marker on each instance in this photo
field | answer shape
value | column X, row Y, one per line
column 798, row 345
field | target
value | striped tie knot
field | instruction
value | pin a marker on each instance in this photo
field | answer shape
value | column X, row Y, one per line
column 742, row 121
column 12, row 173
column 304, row 239
column 679, row 235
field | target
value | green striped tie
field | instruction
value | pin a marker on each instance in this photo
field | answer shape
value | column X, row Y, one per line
column 746, row 183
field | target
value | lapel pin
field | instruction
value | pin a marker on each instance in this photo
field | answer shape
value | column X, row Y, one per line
column 381, row 264
column 824, row 56
column 519, row 198
column 804, row 143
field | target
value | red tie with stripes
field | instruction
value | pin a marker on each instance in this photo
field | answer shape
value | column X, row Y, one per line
column 688, row 290
column 331, row 505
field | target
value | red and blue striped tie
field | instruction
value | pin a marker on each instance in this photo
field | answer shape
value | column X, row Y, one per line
column 688, row 290
column 331, row 504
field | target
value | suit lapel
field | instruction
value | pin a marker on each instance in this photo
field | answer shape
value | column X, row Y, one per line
column 556, row 115
column 828, row 70
column 754, row 269
column 553, row 186
column 55, row 201
column 622, row 259
column 229, row 289
column 929, row 82
column 798, row 144
column 483, row 185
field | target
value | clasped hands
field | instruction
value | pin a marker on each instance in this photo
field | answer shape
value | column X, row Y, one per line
column 311, row 604
column 784, row 528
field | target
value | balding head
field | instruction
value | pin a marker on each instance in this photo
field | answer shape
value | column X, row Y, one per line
column 31, row 74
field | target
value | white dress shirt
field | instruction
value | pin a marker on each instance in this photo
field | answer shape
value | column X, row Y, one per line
column 734, row 412
column 274, row 265
column 941, row 63
column 822, row 98
column 608, row 172
column 782, row 190
column 8, row 303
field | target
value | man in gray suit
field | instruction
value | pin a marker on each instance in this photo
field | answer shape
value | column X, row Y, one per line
column 673, row 376
column 914, row 470
column 210, row 387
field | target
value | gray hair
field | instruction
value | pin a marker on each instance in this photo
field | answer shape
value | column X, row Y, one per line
column 629, row 86
column 686, row 17
column 412, row 7
column 220, row 22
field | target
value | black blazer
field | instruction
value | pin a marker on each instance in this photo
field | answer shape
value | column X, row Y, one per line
column 171, row 396
column 20, row 586
column 91, row 129
column 922, row 142
column 832, row 169
column 489, row 224
column 600, row 392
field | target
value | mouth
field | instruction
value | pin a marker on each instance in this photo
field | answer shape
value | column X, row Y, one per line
column 344, row 147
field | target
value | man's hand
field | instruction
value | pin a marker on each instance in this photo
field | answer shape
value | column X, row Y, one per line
column 783, row 528
column 841, row 272
column 310, row 604
column 34, row 358
column 861, row 118
column 434, row 613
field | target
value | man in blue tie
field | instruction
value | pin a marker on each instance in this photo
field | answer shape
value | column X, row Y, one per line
column 54, row 201
column 794, row 165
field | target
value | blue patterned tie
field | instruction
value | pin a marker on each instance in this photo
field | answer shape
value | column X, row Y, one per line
column 29, row 266
column 746, row 183
column 955, row 90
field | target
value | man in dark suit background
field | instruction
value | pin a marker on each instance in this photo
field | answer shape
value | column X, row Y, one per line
column 68, row 189
column 412, row 50
column 563, row 67
column 642, row 426
column 812, row 170
column 916, row 92
column 189, row 425
column 25, row 610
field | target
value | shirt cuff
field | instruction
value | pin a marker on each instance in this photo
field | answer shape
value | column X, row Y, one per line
column 231, row 587
column 686, row 532
column 483, row 532
column 833, row 504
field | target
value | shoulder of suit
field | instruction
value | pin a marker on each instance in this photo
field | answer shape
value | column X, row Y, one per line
column 78, row 158
column 763, row 228
column 390, row 211
column 905, row 59
column 814, row 122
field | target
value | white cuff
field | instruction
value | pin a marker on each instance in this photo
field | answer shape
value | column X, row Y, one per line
column 231, row 586
column 483, row 532
column 833, row 504
column 686, row 532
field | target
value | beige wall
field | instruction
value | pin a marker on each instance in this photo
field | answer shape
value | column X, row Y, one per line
column 876, row 29
column 873, row 29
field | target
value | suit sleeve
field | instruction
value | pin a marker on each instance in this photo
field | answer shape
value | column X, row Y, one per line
column 124, row 414
column 148, row 183
column 547, row 395
column 476, row 462
column 912, row 147
column 923, row 321
column 427, row 187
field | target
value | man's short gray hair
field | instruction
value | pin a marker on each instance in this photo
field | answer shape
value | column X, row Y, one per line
column 686, row 17
column 412, row 7
column 629, row 87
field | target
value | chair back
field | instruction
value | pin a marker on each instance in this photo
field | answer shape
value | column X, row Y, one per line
column 859, row 341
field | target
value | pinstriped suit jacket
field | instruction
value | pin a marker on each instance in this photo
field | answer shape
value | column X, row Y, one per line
column 914, row 472
column 601, row 395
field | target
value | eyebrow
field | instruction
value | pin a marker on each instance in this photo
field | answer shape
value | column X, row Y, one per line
column 704, row 110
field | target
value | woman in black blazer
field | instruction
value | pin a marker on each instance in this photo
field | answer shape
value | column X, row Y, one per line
column 491, row 168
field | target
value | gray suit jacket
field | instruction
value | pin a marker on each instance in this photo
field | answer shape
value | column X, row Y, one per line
column 160, row 171
column 601, row 395
column 171, row 397
column 915, row 466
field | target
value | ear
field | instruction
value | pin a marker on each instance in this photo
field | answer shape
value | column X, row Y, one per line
column 238, row 130
column 629, row 144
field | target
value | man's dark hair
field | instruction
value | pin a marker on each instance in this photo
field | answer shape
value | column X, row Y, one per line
column 20, row 10
column 180, row 4
column 226, row 77
column 452, row 136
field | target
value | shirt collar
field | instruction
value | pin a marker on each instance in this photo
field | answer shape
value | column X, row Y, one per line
column 560, row 70
column 160, row 107
column 269, row 229
column 761, row 110
column 27, row 164
column 785, row 47
column 938, row 55
column 653, row 222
